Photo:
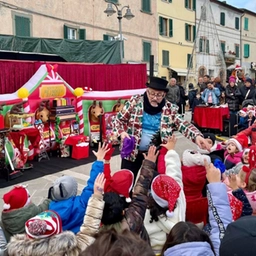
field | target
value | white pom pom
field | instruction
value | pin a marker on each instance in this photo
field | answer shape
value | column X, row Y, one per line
column 169, row 214
column 6, row 206
column 128, row 200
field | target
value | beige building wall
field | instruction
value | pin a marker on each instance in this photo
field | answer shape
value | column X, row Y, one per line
column 248, row 37
column 177, row 46
column 48, row 18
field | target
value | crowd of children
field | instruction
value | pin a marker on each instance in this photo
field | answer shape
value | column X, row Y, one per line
column 188, row 206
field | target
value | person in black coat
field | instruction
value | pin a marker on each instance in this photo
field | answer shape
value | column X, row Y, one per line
column 182, row 100
column 191, row 95
column 248, row 93
column 232, row 96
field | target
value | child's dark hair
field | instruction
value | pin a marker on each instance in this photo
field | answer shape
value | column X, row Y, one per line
column 113, row 209
column 184, row 232
column 251, row 186
column 155, row 210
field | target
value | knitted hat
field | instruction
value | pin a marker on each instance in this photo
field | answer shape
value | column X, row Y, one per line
column 63, row 188
column 45, row 224
column 210, row 136
column 248, row 80
column 121, row 183
column 193, row 157
column 236, row 207
column 232, row 79
column 240, row 141
column 240, row 237
column 17, row 198
column 165, row 191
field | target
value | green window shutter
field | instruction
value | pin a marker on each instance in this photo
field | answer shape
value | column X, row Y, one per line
column 201, row 45
column 207, row 46
column 246, row 23
column 237, row 23
column 146, row 51
column 82, row 34
column 165, row 56
column 189, row 61
column 65, row 31
column 194, row 5
column 194, row 33
column 22, row 26
column 222, row 18
column 161, row 30
column 223, row 47
column 170, row 1
column 146, row 6
column 186, row 4
column 186, row 31
column 246, row 51
column 170, row 28
column 237, row 51
column 114, row 1
column 105, row 37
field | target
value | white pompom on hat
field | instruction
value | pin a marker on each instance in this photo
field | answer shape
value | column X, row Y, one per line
column 17, row 198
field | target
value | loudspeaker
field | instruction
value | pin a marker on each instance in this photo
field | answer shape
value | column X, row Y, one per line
column 229, row 128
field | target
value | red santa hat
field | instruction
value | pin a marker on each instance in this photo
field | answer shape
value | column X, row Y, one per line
column 165, row 191
column 17, row 198
column 236, row 207
column 121, row 183
column 45, row 224
column 240, row 141
column 238, row 67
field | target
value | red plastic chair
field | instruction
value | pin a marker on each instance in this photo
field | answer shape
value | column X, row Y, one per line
column 197, row 211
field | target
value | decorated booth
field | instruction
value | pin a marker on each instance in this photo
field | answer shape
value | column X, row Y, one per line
column 46, row 112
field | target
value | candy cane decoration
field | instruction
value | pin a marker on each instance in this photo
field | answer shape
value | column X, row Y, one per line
column 26, row 107
column 79, row 107
column 40, row 128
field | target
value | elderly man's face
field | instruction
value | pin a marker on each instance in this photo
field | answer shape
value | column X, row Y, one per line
column 173, row 82
column 155, row 97
column 200, row 80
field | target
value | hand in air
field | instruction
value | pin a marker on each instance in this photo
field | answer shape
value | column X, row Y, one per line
column 152, row 154
column 102, row 150
column 171, row 142
column 99, row 184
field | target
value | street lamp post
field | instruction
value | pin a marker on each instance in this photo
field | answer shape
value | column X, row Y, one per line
column 128, row 15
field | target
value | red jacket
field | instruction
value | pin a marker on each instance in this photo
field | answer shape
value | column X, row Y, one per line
column 250, row 132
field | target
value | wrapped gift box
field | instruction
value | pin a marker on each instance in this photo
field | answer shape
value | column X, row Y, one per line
column 80, row 150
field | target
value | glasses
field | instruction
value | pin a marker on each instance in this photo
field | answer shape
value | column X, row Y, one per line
column 157, row 95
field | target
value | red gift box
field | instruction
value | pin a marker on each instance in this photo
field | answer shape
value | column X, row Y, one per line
column 79, row 152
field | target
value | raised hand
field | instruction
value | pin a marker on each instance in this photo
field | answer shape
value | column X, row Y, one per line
column 124, row 135
column 171, row 142
column 203, row 143
column 213, row 174
column 99, row 184
column 102, row 150
column 152, row 154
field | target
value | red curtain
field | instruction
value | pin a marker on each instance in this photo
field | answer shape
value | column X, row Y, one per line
column 14, row 74
column 100, row 77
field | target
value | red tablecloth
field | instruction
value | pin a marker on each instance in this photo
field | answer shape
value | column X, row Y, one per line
column 210, row 117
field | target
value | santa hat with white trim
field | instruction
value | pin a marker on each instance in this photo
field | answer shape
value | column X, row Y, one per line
column 240, row 141
column 165, row 191
column 121, row 183
column 17, row 198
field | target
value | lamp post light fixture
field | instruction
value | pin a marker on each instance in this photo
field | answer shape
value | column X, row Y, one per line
column 128, row 15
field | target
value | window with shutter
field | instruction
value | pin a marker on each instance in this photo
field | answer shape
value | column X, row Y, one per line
column 246, row 51
column 65, row 32
column 237, row 50
column 201, row 45
column 194, row 33
column 207, row 46
column 186, row 3
column 246, row 23
column 236, row 23
column 194, row 5
column 222, row 18
column 82, row 34
column 106, row 37
column 223, row 47
column 165, row 56
column 170, row 28
column 114, row 1
column 146, row 6
column 189, row 31
column 146, row 51
column 163, row 26
column 189, row 61
column 186, row 32
column 22, row 26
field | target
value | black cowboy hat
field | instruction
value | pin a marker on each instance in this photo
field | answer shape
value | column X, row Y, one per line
column 158, row 84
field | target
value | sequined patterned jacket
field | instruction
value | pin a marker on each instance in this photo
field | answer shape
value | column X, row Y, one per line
column 129, row 120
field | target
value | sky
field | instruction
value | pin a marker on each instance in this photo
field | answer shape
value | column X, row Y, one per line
column 246, row 4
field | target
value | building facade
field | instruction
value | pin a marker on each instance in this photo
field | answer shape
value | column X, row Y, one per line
column 248, row 43
column 176, row 36
column 77, row 20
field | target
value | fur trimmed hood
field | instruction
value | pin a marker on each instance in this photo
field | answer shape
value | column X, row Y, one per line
column 63, row 244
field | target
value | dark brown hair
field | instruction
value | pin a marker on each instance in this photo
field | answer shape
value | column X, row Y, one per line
column 251, row 186
column 184, row 232
column 119, row 244
column 155, row 210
